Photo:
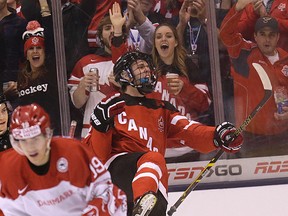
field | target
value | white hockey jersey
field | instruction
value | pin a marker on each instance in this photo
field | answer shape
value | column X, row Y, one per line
column 105, row 67
column 76, row 180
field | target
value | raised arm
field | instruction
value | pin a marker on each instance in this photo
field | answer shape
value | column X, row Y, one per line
column 145, row 27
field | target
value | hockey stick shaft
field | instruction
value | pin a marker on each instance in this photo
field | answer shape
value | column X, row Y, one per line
column 267, row 94
column 72, row 128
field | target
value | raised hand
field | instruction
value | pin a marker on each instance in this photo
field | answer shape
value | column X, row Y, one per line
column 241, row 4
column 184, row 13
column 116, row 18
column 135, row 7
column 259, row 8
column 200, row 10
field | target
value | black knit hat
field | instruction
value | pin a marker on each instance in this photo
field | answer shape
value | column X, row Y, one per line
column 266, row 21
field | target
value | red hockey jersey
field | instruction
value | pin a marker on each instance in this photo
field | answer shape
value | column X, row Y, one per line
column 75, row 179
column 145, row 125
column 192, row 101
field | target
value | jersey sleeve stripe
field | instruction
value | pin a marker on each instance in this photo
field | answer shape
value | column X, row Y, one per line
column 190, row 123
column 177, row 118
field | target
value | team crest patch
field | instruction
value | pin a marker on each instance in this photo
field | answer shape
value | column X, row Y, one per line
column 282, row 7
column 35, row 40
column 285, row 70
column 62, row 165
column 161, row 124
column 266, row 19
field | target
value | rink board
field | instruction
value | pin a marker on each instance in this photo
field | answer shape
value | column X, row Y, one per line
column 229, row 170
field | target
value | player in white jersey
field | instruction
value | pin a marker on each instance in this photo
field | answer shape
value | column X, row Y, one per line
column 47, row 175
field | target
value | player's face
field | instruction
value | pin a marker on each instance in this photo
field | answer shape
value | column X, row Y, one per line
column 36, row 57
column 267, row 41
column 3, row 118
column 141, row 71
column 107, row 34
column 165, row 43
column 35, row 149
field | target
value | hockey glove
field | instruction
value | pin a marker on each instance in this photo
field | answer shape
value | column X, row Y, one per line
column 102, row 116
column 225, row 139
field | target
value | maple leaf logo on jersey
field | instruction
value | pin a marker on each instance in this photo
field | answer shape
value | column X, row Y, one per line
column 285, row 70
column 282, row 7
column 161, row 124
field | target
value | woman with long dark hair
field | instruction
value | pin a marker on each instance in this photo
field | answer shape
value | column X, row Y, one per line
column 186, row 91
column 37, row 82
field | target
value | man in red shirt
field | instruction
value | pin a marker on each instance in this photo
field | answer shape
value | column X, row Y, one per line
column 248, row 89
column 255, row 9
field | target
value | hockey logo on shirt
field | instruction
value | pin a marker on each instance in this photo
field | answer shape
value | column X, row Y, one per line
column 35, row 41
column 62, row 165
column 34, row 89
column 282, row 7
column 161, row 124
column 285, row 70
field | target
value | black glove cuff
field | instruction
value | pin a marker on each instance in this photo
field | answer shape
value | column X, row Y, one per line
column 102, row 126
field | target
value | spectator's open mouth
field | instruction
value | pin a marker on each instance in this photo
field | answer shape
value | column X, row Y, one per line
column 164, row 46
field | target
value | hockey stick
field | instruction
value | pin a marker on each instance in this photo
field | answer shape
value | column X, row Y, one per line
column 72, row 129
column 268, row 93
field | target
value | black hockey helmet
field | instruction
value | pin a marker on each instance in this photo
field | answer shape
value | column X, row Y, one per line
column 124, row 75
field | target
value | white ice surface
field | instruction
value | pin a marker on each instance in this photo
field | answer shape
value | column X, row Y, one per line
column 244, row 201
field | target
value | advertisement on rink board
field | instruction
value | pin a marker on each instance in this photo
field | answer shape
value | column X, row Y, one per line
column 229, row 170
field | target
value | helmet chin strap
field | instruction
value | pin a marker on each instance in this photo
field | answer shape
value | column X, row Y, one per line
column 143, row 90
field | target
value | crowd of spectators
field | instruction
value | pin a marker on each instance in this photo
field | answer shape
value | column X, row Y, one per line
column 174, row 33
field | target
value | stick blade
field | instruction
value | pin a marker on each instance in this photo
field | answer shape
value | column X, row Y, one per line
column 263, row 76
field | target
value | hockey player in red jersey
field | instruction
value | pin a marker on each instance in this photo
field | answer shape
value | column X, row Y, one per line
column 134, row 129
column 53, row 176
